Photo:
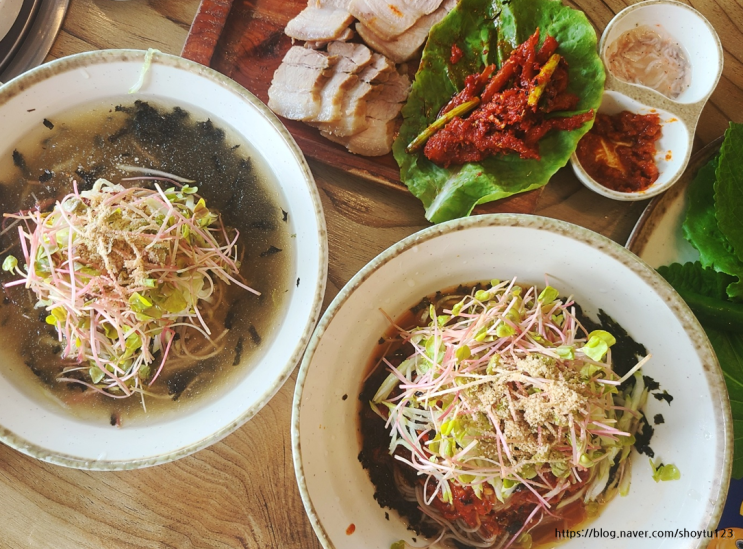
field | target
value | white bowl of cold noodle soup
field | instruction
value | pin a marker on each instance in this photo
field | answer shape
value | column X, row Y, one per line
column 330, row 418
column 199, row 264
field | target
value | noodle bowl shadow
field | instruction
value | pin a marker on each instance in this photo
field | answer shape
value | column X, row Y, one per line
column 27, row 423
column 600, row 274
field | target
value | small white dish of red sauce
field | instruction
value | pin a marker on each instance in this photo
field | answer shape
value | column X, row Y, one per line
column 637, row 83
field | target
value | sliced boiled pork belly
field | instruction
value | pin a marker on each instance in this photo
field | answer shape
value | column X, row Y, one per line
column 319, row 23
column 403, row 47
column 352, row 59
column 353, row 117
column 390, row 18
column 381, row 118
column 345, row 36
column 295, row 91
column 341, row 4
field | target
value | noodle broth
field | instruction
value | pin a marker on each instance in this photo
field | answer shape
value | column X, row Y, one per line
column 84, row 145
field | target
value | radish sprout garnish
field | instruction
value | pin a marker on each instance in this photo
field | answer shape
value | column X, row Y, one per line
column 122, row 272
column 506, row 389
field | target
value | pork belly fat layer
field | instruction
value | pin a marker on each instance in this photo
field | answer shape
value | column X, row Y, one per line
column 309, row 58
column 313, row 24
column 352, row 58
column 387, row 102
column 340, row 4
column 294, row 105
column 380, row 118
column 353, row 118
column 331, row 104
column 353, row 111
column 295, row 91
column 375, row 140
column 345, row 36
column 390, row 18
column 405, row 46
column 395, row 89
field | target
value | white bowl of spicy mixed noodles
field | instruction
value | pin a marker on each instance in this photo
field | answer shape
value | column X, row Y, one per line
column 164, row 258
column 510, row 381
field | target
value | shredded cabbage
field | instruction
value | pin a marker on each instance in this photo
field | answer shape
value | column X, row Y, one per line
column 145, row 67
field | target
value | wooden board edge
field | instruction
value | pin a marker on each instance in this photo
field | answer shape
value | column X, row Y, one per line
column 206, row 30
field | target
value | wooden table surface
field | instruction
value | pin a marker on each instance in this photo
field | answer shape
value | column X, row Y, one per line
column 241, row 492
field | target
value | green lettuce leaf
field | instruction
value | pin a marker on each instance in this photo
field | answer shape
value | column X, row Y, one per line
column 728, row 347
column 701, row 229
column 729, row 188
column 700, row 224
column 486, row 31
column 704, row 290
column 692, row 278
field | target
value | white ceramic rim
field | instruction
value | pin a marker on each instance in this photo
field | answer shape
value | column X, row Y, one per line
column 581, row 173
column 675, row 303
column 673, row 130
column 81, row 60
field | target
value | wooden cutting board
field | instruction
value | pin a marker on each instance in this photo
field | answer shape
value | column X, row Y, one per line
column 245, row 40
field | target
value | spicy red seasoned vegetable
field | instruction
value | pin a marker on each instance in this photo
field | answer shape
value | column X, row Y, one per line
column 505, row 111
column 619, row 151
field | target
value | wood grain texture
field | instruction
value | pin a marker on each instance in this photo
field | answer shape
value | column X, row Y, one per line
column 236, row 495
column 241, row 492
column 206, row 30
column 139, row 24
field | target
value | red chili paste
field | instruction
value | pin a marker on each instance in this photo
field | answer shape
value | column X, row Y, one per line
column 456, row 54
column 619, row 151
column 511, row 115
column 493, row 518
